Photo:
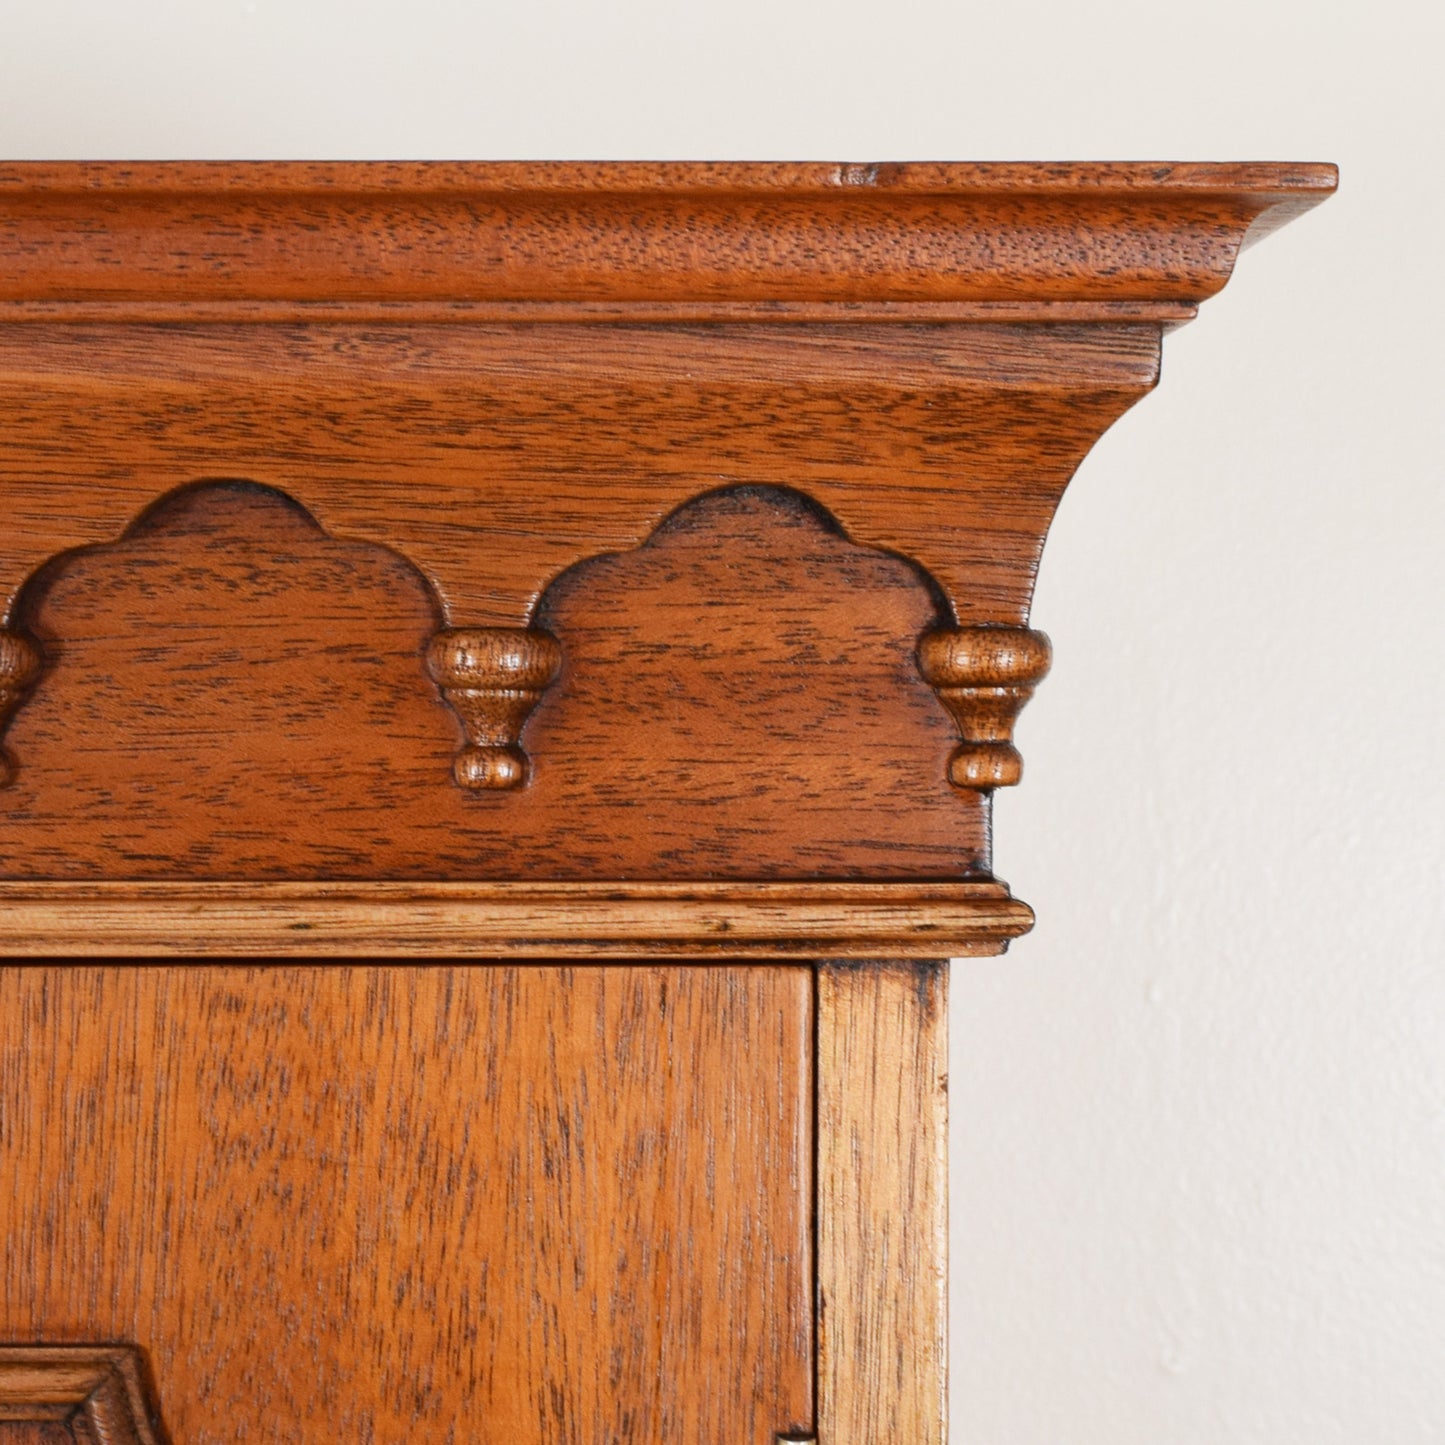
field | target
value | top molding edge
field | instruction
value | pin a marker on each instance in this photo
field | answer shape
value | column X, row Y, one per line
column 78, row 237
column 675, row 177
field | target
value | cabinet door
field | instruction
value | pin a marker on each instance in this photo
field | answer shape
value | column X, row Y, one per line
column 473, row 1203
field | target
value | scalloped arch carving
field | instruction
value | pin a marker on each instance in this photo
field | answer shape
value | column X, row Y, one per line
column 791, row 506
column 231, row 690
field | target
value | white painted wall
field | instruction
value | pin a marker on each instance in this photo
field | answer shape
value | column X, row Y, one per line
column 1199, row 1184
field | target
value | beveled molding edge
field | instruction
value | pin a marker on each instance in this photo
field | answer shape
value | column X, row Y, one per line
column 596, row 921
column 157, row 236
column 98, row 1387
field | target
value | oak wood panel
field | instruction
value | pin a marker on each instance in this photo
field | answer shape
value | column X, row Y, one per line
column 460, row 1204
column 882, row 1064
column 231, row 693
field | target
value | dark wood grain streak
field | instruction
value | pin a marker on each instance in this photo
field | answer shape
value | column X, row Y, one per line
column 460, row 1204
column 595, row 314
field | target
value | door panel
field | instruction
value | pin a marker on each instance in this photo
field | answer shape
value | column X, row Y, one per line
column 460, row 1204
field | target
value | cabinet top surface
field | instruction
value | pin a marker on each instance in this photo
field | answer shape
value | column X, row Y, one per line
column 799, row 178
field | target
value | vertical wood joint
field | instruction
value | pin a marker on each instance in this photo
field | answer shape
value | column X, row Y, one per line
column 882, row 1202
column 984, row 676
column 493, row 677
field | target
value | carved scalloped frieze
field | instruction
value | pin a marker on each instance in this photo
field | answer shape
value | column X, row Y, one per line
column 235, row 690
column 493, row 677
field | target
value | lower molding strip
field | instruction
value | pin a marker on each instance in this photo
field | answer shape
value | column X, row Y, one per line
column 510, row 920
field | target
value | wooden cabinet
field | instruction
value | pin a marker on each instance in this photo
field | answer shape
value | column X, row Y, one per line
column 505, row 672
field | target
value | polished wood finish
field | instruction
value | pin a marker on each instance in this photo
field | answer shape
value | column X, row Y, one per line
column 399, row 1203
column 493, row 677
column 698, row 921
column 158, row 240
column 984, row 676
column 74, row 1395
column 494, row 457
column 19, row 667
column 882, row 1202
column 234, row 693
column 618, row 577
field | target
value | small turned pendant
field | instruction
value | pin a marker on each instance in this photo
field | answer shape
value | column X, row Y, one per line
column 984, row 676
column 19, row 667
column 493, row 677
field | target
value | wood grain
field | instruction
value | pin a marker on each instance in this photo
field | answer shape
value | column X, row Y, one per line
column 290, row 451
column 495, row 457
column 616, row 921
column 231, row 693
column 882, row 1066
column 635, row 232
column 984, row 676
column 460, row 1204
column 75, row 1395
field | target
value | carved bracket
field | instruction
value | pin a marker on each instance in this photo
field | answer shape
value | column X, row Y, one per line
column 984, row 676
column 96, row 1391
column 493, row 677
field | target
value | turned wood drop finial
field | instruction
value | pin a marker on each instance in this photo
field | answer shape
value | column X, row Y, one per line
column 19, row 667
column 984, row 676
column 493, row 677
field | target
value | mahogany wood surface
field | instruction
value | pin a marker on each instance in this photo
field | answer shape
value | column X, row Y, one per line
column 616, row 576
column 164, row 234
column 223, row 694
column 495, row 457
column 230, row 693
column 460, row 1204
